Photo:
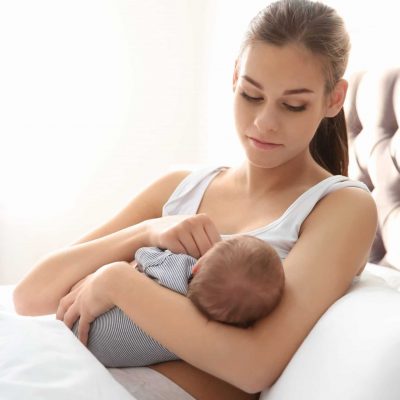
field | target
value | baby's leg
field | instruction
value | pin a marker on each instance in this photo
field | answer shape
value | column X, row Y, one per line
column 117, row 341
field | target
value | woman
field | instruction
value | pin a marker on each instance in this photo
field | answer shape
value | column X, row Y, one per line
column 288, row 98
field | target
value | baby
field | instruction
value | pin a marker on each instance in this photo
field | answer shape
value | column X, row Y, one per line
column 238, row 281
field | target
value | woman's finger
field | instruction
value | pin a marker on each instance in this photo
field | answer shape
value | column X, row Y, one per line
column 197, row 234
column 71, row 316
column 193, row 235
column 64, row 305
column 210, row 229
column 60, row 311
column 201, row 240
column 189, row 244
column 171, row 242
column 204, row 233
column 83, row 329
column 186, row 236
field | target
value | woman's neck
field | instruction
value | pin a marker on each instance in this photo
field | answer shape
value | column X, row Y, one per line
column 254, row 181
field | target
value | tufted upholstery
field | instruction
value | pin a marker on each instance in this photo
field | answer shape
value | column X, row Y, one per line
column 373, row 116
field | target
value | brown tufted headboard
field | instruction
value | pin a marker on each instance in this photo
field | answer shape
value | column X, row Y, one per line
column 373, row 115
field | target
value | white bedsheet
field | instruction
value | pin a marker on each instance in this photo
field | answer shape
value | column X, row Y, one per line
column 41, row 359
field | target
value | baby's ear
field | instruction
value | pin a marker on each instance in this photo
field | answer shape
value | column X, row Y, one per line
column 336, row 98
column 196, row 268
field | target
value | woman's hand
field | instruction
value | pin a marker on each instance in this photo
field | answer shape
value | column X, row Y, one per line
column 193, row 234
column 87, row 300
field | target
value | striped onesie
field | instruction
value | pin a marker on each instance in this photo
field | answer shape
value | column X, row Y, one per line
column 116, row 340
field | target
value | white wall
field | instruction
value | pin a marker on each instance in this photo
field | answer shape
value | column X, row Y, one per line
column 97, row 98
column 374, row 28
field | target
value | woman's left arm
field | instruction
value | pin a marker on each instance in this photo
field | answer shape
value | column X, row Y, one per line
column 333, row 246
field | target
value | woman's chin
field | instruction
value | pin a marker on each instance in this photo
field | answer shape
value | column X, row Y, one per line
column 264, row 162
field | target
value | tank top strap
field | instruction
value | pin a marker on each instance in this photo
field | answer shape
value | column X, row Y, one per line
column 186, row 198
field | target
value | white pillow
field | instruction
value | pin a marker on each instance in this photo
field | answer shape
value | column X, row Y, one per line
column 352, row 353
column 42, row 359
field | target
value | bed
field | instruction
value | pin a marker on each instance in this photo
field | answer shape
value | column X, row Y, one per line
column 352, row 353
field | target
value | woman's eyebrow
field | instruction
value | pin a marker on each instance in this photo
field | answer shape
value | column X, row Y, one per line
column 297, row 91
column 252, row 81
column 286, row 92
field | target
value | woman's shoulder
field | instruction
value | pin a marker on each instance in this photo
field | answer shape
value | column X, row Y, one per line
column 350, row 199
column 353, row 207
column 171, row 180
column 198, row 174
column 343, row 191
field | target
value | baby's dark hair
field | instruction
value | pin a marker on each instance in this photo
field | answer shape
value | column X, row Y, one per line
column 240, row 281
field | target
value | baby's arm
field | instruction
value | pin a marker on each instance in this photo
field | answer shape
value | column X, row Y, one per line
column 168, row 269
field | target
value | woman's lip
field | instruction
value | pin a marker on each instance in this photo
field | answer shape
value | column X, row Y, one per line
column 264, row 145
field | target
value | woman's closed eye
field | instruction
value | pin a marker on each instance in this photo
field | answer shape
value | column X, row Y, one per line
column 295, row 108
column 249, row 98
column 287, row 106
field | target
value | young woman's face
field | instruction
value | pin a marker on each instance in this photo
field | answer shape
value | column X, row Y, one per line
column 279, row 101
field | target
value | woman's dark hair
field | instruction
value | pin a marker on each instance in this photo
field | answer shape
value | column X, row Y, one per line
column 321, row 30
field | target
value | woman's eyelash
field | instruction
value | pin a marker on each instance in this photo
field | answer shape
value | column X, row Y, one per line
column 247, row 97
column 288, row 106
column 294, row 108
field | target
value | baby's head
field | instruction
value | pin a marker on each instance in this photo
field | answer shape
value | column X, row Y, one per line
column 237, row 281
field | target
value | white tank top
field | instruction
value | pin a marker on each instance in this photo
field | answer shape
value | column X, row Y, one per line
column 282, row 233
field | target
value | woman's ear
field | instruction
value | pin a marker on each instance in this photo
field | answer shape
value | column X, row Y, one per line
column 336, row 98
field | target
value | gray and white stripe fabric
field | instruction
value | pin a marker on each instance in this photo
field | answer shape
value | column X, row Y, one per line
column 168, row 269
column 116, row 340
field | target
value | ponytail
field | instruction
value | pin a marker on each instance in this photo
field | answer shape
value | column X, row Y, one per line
column 329, row 146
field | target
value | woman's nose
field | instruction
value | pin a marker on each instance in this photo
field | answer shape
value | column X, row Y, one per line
column 266, row 119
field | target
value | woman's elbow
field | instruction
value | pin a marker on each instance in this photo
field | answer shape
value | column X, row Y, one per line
column 261, row 375
column 253, row 385
column 37, row 292
column 27, row 303
column 20, row 302
column 255, row 379
column 256, row 386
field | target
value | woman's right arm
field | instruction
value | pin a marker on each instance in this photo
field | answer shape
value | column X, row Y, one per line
column 40, row 291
